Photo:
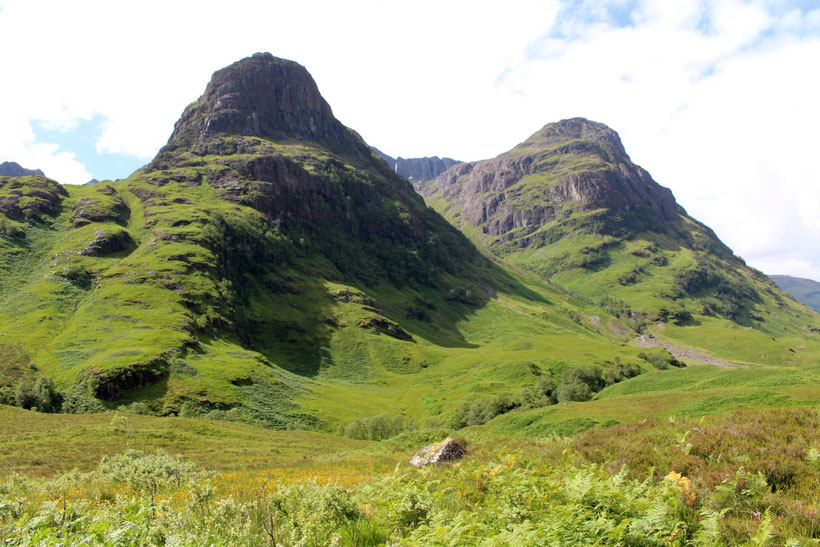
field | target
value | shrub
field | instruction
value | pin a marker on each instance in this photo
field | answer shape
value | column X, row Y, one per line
column 146, row 472
column 620, row 372
column 80, row 398
column 580, row 384
column 40, row 396
column 661, row 360
column 574, row 390
column 377, row 428
column 543, row 393
column 140, row 409
column 481, row 411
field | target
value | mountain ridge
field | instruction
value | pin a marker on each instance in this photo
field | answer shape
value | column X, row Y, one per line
column 417, row 169
column 14, row 169
column 247, row 269
column 268, row 267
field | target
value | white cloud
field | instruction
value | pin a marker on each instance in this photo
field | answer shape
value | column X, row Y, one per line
column 717, row 98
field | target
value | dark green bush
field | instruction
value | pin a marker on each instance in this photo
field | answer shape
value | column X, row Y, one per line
column 574, row 390
column 543, row 393
column 581, row 383
column 620, row 372
column 40, row 395
column 661, row 360
column 80, row 397
column 734, row 294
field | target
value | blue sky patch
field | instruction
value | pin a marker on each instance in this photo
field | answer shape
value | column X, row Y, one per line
column 81, row 140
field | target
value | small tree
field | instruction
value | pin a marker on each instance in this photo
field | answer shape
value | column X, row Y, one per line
column 146, row 472
column 120, row 424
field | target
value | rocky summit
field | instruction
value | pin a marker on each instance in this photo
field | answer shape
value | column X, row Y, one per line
column 14, row 169
column 573, row 164
column 260, row 96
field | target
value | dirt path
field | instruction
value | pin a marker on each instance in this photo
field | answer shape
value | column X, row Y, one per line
column 684, row 353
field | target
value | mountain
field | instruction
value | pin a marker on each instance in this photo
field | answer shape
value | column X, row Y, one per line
column 804, row 290
column 265, row 266
column 569, row 205
column 555, row 307
column 13, row 169
column 268, row 267
column 417, row 169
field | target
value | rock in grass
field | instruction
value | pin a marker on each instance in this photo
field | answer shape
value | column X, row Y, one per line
column 437, row 453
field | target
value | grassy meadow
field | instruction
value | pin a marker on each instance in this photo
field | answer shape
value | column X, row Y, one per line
column 720, row 480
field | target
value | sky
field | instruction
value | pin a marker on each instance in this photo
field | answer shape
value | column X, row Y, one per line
column 719, row 100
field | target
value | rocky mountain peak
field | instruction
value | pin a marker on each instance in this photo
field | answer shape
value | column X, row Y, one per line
column 579, row 135
column 261, row 96
column 573, row 165
column 14, row 169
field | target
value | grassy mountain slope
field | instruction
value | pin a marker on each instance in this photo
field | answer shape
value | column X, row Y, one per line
column 569, row 205
column 268, row 267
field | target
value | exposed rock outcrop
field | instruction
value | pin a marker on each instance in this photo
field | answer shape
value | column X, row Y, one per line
column 259, row 96
column 30, row 197
column 104, row 206
column 438, row 453
column 417, row 169
column 573, row 163
column 384, row 326
column 106, row 243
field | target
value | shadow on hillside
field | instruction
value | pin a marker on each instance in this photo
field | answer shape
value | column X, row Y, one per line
column 293, row 318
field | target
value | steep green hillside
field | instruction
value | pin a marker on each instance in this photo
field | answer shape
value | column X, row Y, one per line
column 569, row 205
column 806, row 291
column 267, row 267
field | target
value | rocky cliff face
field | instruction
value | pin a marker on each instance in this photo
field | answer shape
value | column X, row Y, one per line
column 417, row 169
column 573, row 164
column 260, row 96
column 13, row 169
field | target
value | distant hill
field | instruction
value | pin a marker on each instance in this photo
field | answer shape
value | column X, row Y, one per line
column 417, row 169
column 14, row 169
column 805, row 290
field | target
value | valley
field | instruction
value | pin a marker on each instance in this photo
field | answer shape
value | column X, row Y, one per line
column 270, row 300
